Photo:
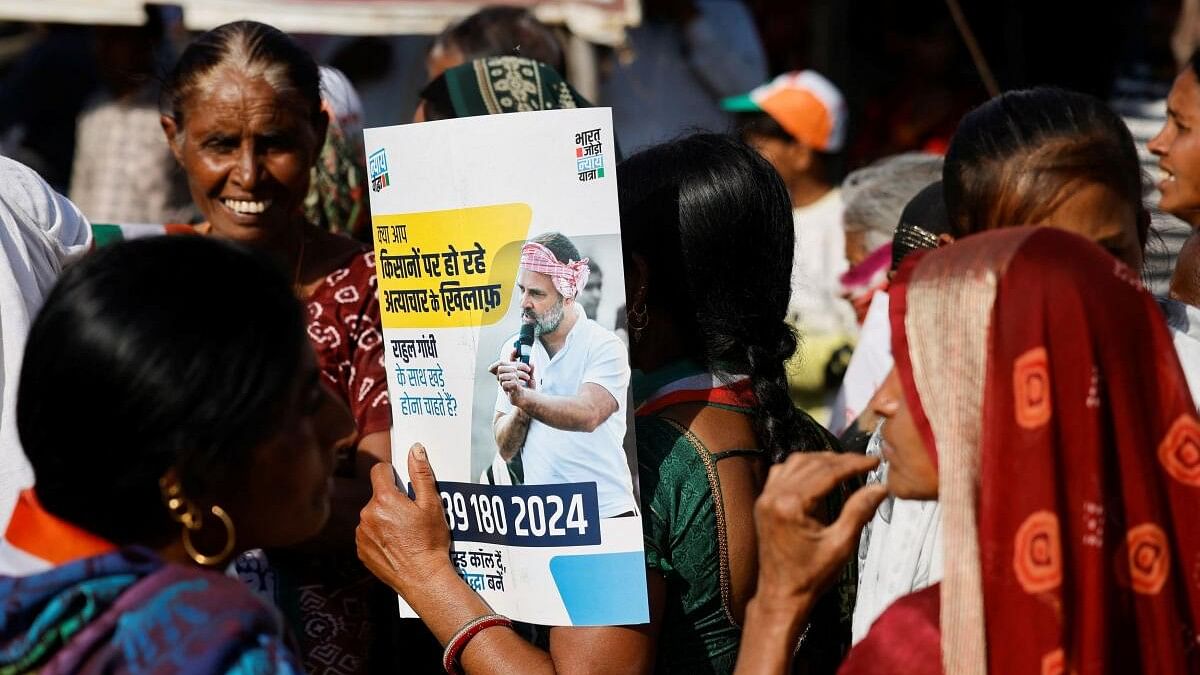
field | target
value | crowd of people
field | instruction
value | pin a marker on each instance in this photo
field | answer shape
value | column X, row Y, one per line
column 943, row 426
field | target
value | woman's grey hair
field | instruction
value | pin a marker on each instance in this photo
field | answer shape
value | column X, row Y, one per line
column 875, row 195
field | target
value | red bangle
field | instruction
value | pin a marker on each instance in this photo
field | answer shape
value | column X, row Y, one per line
column 458, row 643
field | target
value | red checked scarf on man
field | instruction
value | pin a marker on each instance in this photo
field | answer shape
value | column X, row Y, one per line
column 1045, row 385
column 569, row 277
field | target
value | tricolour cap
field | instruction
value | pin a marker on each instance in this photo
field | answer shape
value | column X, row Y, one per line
column 804, row 103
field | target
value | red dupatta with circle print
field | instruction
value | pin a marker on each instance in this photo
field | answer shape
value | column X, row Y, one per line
column 1045, row 383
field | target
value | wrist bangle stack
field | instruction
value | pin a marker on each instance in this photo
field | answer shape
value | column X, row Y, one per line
column 456, row 645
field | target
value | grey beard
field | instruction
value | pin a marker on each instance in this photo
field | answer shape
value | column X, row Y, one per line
column 549, row 322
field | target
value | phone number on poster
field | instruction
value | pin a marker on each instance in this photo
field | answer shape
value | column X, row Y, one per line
column 522, row 515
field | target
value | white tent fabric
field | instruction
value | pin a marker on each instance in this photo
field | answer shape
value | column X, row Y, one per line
column 601, row 21
column 104, row 12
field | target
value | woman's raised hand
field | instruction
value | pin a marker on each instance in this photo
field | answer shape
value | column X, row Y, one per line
column 798, row 553
column 404, row 541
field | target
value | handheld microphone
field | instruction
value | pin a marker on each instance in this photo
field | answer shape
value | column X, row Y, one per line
column 524, row 343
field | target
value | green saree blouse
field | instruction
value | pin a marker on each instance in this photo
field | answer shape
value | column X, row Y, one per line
column 685, row 538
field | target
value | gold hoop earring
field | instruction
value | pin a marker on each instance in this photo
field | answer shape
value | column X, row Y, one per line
column 184, row 512
column 230, row 538
column 639, row 318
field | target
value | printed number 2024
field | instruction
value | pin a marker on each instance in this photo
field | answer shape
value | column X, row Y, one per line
column 534, row 515
column 534, row 511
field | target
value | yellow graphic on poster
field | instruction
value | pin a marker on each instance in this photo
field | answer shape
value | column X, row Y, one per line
column 441, row 269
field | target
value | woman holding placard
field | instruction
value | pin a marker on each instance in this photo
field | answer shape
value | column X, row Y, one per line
column 242, row 114
column 707, row 307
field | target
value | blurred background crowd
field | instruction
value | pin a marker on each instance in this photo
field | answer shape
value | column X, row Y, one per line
column 79, row 99
column 781, row 158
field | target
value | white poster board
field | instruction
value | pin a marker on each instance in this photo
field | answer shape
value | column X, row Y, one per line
column 556, row 537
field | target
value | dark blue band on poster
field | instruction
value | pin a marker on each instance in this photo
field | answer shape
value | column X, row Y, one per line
column 566, row 514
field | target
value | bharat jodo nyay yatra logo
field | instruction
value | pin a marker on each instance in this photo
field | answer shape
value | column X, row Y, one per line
column 589, row 155
column 377, row 170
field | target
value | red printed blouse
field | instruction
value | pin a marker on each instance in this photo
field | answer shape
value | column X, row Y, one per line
column 346, row 333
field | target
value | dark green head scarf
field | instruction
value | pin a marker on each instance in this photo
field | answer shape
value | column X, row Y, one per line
column 498, row 84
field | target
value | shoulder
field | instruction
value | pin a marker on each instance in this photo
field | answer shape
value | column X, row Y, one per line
column 349, row 285
column 600, row 339
column 213, row 592
column 816, row 433
column 673, row 478
column 828, row 210
column 666, row 454
column 505, row 348
column 38, row 211
column 657, row 436
column 352, row 262
column 907, row 637
column 25, row 192
column 1181, row 317
column 199, row 616
column 834, row 199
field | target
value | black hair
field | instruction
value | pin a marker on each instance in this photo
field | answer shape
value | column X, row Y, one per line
column 922, row 222
column 1017, row 157
column 750, row 124
column 166, row 352
column 562, row 247
column 504, row 31
column 713, row 222
column 248, row 45
column 829, row 165
column 1194, row 62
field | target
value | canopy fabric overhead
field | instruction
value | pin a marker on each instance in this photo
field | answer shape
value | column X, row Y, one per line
column 600, row 21
column 103, row 12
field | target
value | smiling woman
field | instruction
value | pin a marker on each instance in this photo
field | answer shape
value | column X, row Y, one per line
column 247, row 151
column 242, row 115
column 1177, row 147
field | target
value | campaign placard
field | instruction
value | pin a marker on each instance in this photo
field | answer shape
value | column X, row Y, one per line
column 497, row 241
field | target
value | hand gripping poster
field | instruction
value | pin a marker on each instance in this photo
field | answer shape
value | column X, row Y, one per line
column 498, row 258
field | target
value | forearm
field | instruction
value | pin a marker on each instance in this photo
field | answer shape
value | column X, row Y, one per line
column 770, row 634
column 511, row 430
column 569, row 413
column 445, row 603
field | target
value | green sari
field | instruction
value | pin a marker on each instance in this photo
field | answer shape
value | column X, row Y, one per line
column 506, row 84
column 685, row 534
column 497, row 85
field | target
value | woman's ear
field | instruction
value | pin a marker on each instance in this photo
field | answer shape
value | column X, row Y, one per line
column 945, row 239
column 800, row 157
column 170, row 489
column 172, row 130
